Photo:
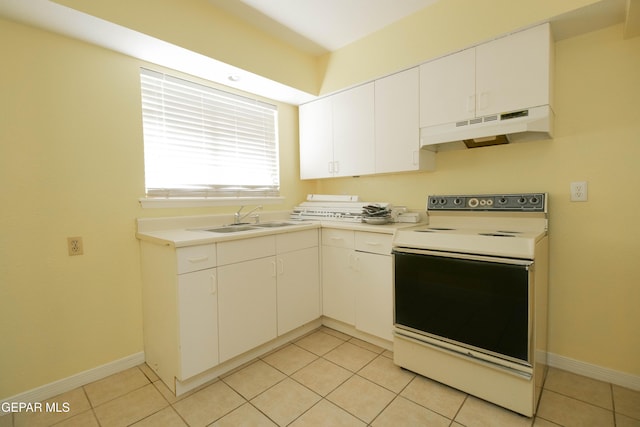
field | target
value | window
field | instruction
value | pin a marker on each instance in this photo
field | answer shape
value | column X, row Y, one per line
column 203, row 142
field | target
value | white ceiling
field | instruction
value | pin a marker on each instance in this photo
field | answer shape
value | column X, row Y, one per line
column 320, row 26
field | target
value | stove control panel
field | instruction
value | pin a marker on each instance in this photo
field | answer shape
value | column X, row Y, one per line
column 529, row 202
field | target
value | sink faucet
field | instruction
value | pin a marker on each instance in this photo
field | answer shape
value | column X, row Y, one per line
column 237, row 218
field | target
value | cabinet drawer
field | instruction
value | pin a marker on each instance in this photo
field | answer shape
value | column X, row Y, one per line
column 194, row 258
column 338, row 238
column 377, row 243
column 288, row 242
column 246, row 249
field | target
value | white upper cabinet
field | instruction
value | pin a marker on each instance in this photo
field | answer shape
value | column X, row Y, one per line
column 316, row 139
column 504, row 75
column 397, row 134
column 353, row 131
column 337, row 135
column 447, row 89
column 514, row 72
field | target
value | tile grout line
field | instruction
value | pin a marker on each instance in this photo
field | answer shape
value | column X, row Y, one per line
column 453, row 420
column 613, row 405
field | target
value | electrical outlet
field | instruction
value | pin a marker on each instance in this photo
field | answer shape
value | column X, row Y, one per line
column 579, row 191
column 74, row 245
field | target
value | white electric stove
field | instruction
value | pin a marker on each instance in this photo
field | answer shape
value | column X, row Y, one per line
column 470, row 296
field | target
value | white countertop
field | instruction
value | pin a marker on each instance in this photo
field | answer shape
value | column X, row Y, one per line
column 180, row 237
column 190, row 231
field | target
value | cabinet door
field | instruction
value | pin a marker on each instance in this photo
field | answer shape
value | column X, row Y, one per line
column 447, row 89
column 397, row 124
column 198, row 322
column 316, row 139
column 513, row 72
column 298, row 289
column 338, row 283
column 353, row 131
column 246, row 305
column 374, row 295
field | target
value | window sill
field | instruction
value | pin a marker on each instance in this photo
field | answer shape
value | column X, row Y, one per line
column 197, row 202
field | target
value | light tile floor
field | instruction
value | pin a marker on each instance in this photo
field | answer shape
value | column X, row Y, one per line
column 327, row 379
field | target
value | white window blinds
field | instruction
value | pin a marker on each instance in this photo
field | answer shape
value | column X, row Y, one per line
column 204, row 142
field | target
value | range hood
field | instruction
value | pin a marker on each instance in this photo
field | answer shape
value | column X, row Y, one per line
column 530, row 124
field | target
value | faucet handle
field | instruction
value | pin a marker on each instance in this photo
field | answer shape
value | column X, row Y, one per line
column 236, row 215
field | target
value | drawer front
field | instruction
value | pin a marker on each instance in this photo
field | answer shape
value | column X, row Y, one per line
column 288, row 242
column 240, row 250
column 194, row 258
column 338, row 238
column 377, row 243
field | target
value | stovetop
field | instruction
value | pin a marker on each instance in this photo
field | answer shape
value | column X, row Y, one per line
column 495, row 225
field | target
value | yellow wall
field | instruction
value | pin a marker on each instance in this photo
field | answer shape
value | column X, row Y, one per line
column 71, row 164
column 594, row 279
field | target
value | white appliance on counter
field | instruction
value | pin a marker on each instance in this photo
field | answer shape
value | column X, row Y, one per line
column 342, row 208
column 470, row 296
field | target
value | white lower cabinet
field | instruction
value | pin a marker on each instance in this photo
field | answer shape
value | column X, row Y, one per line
column 298, row 288
column 338, row 284
column 269, row 287
column 198, row 322
column 206, row 304
column 357, row 280
column 374, row 301
column 247, row 305
column 338, row 275
column 180, row 306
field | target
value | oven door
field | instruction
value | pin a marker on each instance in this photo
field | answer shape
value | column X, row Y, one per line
column 479, row 303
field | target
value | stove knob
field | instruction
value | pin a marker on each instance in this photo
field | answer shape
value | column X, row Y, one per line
column 433, row 201
column 457, row 201
column 473, row 202
column 533, row 200
column 443, row 201
column 502, row 201
column 522, row 200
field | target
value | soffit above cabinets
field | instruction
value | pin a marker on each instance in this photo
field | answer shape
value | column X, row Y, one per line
column 63, row 20
column 590, row 18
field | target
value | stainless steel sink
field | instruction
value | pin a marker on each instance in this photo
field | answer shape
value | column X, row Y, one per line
column 230, row 229
column 272, row 224
column 234, row 228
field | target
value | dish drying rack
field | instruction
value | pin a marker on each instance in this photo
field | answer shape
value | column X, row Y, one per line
column 342, row 208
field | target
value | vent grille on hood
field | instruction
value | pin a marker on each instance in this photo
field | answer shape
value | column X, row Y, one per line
column 517, row 126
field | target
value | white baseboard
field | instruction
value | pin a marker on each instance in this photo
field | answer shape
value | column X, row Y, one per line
column 622, row 379
column 55, row 388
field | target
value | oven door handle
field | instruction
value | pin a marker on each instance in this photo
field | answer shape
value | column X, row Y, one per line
column 513, row 261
